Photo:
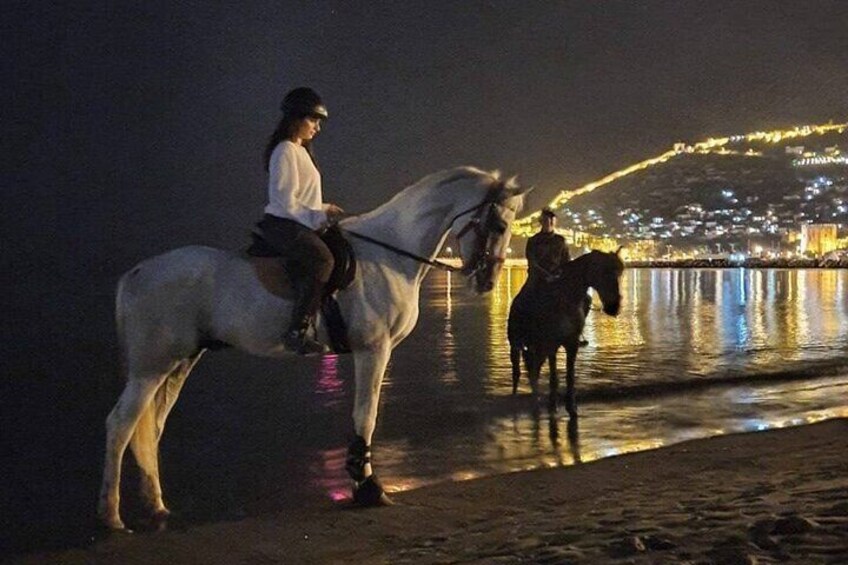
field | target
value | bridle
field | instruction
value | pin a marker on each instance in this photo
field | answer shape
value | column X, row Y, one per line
column 482, row 224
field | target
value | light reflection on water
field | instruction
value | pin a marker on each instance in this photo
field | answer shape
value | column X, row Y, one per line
column 447, row 412
column 693, row 324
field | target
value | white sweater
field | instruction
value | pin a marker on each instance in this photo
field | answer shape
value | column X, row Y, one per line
column 294, row 186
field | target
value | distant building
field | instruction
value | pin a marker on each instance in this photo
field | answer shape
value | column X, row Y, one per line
column 796, row 150
column 818, row 239
column 640, row 250
column 791, row 236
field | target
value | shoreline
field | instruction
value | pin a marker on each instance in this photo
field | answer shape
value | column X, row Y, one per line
column 773, row 495
column 743, row 264
column 717, row 263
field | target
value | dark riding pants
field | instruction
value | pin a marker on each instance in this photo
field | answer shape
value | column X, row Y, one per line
column 308, row 261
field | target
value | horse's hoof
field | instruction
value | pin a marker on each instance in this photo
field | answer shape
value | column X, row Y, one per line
column 115, row 527
column 384, row 500
column 112, row 523
column 160, row 514
column 370, row 493
column 157, row 521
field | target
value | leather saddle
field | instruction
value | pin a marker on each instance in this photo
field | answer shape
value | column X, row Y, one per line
column 271, row 270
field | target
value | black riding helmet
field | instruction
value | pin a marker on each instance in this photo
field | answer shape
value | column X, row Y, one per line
column 304, row 102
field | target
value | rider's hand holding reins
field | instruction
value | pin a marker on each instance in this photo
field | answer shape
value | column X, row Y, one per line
column 334, row 213
column 334, row 216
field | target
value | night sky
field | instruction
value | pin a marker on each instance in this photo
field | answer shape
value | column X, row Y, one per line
column 129, row 131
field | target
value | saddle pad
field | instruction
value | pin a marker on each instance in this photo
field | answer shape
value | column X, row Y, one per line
column 273, row 276
column 344, row 267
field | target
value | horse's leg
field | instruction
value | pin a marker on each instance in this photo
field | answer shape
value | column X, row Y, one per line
column 533, row 361
column 120, row 425
column 370, row 367
column 168, row 394
column 587, row 307
column 570, row 394
column 148, row 433
column 574, row 438
column 531, row 355
column 554, row 379
column 515, row 359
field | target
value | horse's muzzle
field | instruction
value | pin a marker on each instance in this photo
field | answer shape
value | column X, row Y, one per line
column 612, row 308
column 484, row 286
column 487, row 271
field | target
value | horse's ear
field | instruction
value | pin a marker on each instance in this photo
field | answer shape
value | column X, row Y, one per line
column 618, row 251
column 518, row 191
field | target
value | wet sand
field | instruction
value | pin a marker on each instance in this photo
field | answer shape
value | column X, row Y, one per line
column 774, row 496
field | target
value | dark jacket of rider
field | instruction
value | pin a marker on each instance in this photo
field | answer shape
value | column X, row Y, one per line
column 546, row 254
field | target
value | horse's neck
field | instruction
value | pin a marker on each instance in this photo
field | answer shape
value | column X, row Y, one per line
column 574, row 280
column 416, row 220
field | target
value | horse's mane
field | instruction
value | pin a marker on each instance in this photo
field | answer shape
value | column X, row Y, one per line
column 568, row 284
column 586, row 256
column 570, row 267
column 437, row 180
column 568, row 281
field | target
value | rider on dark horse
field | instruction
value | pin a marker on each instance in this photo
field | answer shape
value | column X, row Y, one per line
column 296, row 211
column 547, row 254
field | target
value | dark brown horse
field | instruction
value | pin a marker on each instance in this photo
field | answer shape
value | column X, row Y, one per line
column 546, row 316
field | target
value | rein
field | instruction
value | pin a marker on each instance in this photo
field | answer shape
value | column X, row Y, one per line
column 432, row 262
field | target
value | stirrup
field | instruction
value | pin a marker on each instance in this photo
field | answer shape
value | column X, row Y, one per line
column 299, row 342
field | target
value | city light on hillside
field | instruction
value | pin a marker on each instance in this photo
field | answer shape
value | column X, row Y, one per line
column 526, row 226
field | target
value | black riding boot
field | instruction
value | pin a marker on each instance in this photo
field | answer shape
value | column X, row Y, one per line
column 297, row 337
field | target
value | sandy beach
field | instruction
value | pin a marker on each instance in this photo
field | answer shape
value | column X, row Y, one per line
column 774, row 496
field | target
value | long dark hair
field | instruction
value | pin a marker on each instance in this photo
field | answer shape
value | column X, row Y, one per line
column 286, row 128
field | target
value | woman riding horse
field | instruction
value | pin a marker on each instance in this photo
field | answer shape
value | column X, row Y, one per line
column 295, row 211
column 169, row 309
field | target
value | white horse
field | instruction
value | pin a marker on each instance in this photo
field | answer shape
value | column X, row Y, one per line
column 169, row 307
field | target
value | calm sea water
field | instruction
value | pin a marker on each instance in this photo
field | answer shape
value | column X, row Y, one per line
column 693, row 353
